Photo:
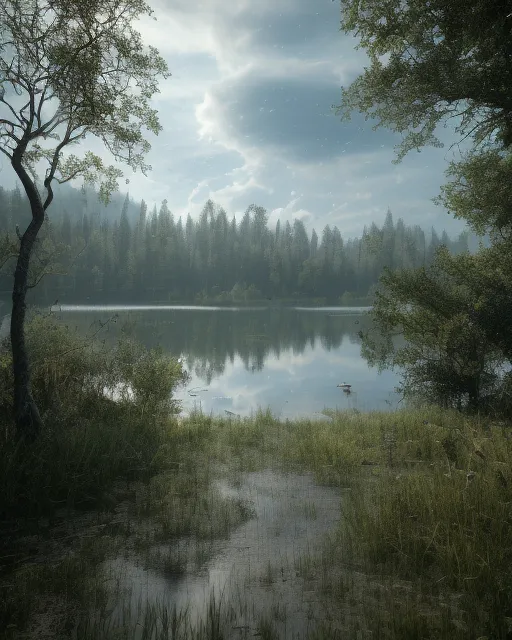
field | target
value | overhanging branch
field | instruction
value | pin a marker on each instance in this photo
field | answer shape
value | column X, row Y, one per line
column 5, row 152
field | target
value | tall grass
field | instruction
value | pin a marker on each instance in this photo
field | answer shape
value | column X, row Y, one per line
column 88, row 439
column 156, row 621
column 428, row 518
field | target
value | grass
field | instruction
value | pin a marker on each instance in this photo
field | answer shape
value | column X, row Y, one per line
column 428, row 518
column 156, row 621
column 169, row 506
column 266, row 630
column 431, row 504
column 424, row 544
column 88, row 440
column 423, row 548
column 42, row 596
column 429, row 511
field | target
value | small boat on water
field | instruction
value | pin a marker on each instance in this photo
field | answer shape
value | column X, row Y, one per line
column 345, row 387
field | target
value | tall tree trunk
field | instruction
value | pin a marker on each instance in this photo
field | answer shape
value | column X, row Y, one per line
column 26, row 414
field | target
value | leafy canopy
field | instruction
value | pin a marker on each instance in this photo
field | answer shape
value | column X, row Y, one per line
column 68, row 69
column 430, row 62
column 480, row 191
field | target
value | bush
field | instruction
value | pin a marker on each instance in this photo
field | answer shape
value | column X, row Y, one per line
column 106, row 414
column 445, row 355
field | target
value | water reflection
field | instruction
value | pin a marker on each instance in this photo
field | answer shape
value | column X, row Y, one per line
column 288, row 359
column 258, row 568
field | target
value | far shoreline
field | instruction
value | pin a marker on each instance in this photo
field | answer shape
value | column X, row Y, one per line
column 204, row 302
column 197, row 307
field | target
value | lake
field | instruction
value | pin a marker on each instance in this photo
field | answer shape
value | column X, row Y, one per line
column 241, row 359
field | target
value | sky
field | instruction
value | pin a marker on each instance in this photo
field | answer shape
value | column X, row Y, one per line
column 247, row 118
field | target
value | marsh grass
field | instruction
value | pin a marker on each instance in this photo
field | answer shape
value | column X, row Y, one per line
column 173, row 506
column 306, row 566
column 423, row 549
column 45, row 595
column 266, row 629
column 425, row 542
column 310, row 511
column 155, row 621
column 88, row 444
column 269, row 577
column 186, row 503
column 427, row 521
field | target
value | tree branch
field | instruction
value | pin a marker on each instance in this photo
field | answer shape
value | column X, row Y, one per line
column 53, row 167
column 5, row 152
column 6, row 259
column 23, row 108
column 54, row 121
column 10, row 134
column 21, row 122
column 40, row 106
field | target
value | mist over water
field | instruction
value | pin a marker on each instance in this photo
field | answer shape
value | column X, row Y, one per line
column 241, row 359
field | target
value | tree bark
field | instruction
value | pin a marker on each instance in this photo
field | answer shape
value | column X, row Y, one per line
column 26, row 414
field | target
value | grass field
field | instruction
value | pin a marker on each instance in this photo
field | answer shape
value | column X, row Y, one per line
column 421, row 547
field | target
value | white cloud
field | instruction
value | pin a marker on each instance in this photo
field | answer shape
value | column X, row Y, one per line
column 289, row 211
column 247, row 118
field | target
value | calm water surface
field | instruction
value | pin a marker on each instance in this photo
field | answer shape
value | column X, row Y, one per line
column 240, row 359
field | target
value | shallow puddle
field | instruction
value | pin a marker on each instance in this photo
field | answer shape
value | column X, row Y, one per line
column 263, row 574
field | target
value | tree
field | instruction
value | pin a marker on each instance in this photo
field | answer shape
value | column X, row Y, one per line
column 124, row 239
column 77, row 69
column 480, row 191
column 163, row 260
column 426, row 328
column 430, row 61
column 313, row 246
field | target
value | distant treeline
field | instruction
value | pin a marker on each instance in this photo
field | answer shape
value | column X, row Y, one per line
column 87, row 255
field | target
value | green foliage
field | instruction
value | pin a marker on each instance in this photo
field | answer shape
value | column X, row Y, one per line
column 430, row 62
column 456, row 314
column 455, row 318
column 480, row 191
column 149, row 378
column 89, row 438
column 488, row 277
column 92, row 61
column 447, row 353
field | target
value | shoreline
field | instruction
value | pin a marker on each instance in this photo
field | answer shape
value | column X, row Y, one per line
column 210, row 502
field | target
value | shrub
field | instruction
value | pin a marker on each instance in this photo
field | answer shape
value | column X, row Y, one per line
column 106, row 413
